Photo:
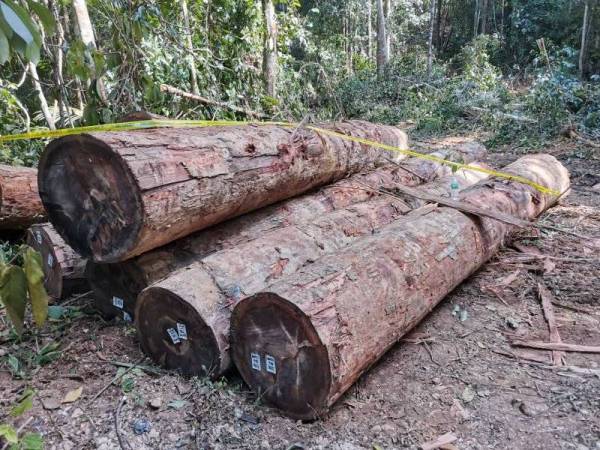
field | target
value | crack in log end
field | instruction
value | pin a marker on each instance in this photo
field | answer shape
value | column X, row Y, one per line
column 90, row 196
column 161, row 318
column 279, row 353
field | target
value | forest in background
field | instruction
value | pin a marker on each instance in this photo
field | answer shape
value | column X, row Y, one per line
column 521, row 70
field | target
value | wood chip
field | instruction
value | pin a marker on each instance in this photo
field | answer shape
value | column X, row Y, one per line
column 440, row 442
column 546, row 298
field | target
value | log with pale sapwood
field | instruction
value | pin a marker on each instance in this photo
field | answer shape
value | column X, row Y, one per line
column 116, row 195
column 116, row 286
column 306, row 339
column 183, row 320
column 64, row 269
column 20, row 204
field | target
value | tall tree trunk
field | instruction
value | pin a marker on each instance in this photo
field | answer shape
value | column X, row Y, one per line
column 476, row 18
column 189, row 47
column 387, row 9
column 430, row 43
column 369, row 29
column 40, row 93
column 484, row 16
column 382, row 48
column 86, row 33
column 584, row 40
column 270, row 48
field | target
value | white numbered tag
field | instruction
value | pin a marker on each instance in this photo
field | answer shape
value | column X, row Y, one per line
column 255, row 361
column 118, row 302
column 182, row 331
column 50, row 260
column 174, row 336
column 270, row 364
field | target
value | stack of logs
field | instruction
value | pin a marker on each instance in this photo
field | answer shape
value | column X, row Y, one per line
column 289, row 253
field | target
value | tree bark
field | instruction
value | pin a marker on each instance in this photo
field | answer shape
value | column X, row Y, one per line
column 117, row 286
column 584, row 40
column 35, row 79
column 189, row 47
column 382, row 46
column 306, row 339
column 370, row 29
column 200, row 296
column 64, row 269
column 86, row 33
column 20, row 203
column 116, row 195
column 430, row 41
column 270, row 48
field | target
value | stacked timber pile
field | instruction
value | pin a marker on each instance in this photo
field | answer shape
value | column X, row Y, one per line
column 301, row 256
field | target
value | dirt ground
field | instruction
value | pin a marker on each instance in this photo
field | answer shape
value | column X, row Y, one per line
column 455, row 373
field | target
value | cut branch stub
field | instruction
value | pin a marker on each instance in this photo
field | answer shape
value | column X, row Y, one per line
column 116, row 286
column 116, row 195
column 63, row 268
column 303, row 341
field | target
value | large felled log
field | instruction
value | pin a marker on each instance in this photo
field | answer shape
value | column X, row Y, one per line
column 116, row 286
column 198, row 298
column 20, row 204
column 302, row 342
column 64, row 269
column 115, row 195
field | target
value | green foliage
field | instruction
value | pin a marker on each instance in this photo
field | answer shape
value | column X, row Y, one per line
column 19, row 284
column 29, row 441
column 18, row 32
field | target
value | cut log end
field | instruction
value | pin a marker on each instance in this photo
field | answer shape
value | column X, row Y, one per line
column 172, row 332
column 279, row 353
column 39, row 240
column 90, row 196
column 115, row 288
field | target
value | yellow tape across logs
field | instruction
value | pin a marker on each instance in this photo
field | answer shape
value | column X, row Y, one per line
column 165, row 123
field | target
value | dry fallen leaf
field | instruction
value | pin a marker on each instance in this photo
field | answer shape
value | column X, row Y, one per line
column 73, row 396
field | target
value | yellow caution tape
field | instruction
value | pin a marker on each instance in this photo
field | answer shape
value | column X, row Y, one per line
column 165, row 123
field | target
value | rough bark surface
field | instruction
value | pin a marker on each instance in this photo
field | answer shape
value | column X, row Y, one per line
column 20, row 204
column 205, row 291
column 120, row 283
column 116, row 195
column 64, row 270
column 306, row 339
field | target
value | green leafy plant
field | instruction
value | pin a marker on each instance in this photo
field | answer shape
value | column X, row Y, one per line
column 22, row 283
column 10, row 435
column 18, row 32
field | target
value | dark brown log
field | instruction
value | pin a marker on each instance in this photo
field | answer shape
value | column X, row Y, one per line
column 20, row 204
column 116, row 195
column 120, row 283
column 64, row 269
column 306, row 339
column 199, row 297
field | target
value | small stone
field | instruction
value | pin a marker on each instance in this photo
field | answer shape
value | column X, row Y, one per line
column 468, row 394
column 153, row 434
column 78, row 412
column 388, row 427
column 141, row 426
column 51, row 403
column 156, row 403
